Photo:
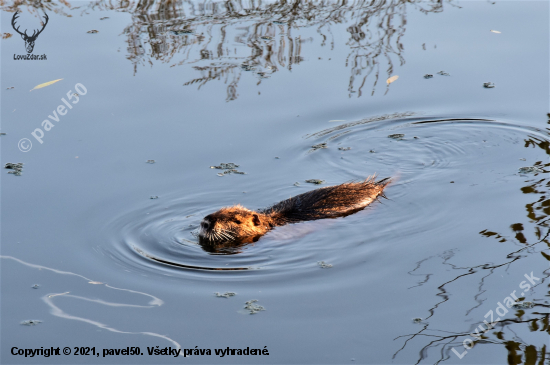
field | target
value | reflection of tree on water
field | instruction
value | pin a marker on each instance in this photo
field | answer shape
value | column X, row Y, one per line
column 506, row 332
column 213, row 36
column 36, row 7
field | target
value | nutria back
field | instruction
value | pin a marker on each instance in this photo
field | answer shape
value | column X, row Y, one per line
column 237, row 225
column 328, row 202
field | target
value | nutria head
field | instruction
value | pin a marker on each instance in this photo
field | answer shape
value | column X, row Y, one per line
column 233, row 224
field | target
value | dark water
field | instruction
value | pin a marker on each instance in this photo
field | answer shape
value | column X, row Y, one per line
column 194, row 84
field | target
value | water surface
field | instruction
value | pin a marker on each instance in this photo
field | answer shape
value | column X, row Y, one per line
column 191, row 85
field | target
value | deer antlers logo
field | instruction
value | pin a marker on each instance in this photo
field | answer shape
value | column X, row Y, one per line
column 29, row 40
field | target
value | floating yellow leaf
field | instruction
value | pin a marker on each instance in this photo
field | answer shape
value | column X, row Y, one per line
column 495, row 31
column 6, row 35
column 45, row 84
column 392, row 79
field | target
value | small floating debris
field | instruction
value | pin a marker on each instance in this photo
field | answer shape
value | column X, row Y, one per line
column 31, row 322
column 16, row 167
column 150, row 161
column 278, row 22
column 443, row 73
column 266, row 38
column 315, row 181
column 344, row 148
column 246, row 67
column 95, row 282
column 223, row 166
column 9, row 88
column 296, row 183
column 372, row 151
column 528, row 169
column 495, row 31
column 93, row 31
column 232, row 171
column 319, row 146
column 488, row 85
column 225, row 295
column 397, row 136
column 253, row 308
column 417, row 320
column 183, row 31
column 452, row 182
column 154, row 197
column 276, row 158
column 6, row 35
column 2, row 134
column 428, row 76
column 415, row 137
column 105, row 17
column 523, row 159
column 324, row 265
column 230, row 168
column 523, row 305
column 35, row 286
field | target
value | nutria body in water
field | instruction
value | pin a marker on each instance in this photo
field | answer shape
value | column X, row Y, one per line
column 238, row 224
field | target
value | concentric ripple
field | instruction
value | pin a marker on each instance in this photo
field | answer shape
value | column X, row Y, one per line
column 433, row 153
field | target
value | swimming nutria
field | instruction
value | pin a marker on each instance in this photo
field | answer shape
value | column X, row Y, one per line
column 237, row 224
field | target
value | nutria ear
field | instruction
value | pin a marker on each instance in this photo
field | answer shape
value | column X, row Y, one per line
column 256, row 220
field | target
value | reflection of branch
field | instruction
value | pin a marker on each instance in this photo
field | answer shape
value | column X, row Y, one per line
column 57, row 311
column 36, row 7
column 206, row 32
column 512, row 346
column 517, row 346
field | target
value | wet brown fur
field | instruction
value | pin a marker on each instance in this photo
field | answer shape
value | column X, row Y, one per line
column 239, row 224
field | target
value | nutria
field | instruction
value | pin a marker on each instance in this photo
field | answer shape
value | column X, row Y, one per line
column 237, row 224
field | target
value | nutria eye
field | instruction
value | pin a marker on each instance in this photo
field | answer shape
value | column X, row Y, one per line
column 204, row 225
column 238, row 221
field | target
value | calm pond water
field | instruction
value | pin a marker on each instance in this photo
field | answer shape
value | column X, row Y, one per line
column 98, row 244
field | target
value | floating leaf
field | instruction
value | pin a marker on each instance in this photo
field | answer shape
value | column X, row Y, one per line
column 45, row 84
column 6, row 35
column 392, row 79
column 495, row 31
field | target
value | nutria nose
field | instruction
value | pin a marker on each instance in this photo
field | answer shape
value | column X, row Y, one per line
column 204, row 225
